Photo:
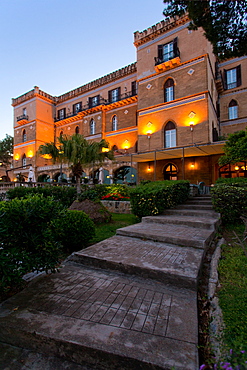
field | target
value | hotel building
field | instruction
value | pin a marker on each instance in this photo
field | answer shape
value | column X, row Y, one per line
column 166, row 116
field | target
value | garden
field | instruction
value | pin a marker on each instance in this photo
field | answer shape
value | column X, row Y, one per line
column 38, row 230
column 41, row 226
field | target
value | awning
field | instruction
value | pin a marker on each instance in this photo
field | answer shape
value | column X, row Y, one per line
column 196, row 150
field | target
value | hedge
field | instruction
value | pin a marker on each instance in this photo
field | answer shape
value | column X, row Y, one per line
column 65, row 194
column 153, row 197
column 230, row 200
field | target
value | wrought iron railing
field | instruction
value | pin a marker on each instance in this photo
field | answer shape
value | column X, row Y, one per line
column 101, row 101
column 22, row 117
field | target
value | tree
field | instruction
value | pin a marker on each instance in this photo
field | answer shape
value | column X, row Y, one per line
column 223, row 21
column 235, row 148
column 6, row 152
column 78, row 153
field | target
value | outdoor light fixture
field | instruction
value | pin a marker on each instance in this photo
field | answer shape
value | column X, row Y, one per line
column 126, row 144
column 149, row 131
column 236, row 168
column 191, row 115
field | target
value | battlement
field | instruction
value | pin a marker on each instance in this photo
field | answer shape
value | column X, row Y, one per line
column 157, row 29
column 131, row 68
column 32, row 93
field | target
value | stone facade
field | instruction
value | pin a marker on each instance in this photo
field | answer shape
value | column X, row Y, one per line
column 165, row 115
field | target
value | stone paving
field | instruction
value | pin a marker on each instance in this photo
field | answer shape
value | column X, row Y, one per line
column 124, row 303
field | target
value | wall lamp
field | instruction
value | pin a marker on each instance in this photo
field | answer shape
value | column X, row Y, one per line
column 149, row 131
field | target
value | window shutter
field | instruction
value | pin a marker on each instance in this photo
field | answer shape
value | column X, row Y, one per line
column 109, row 96
column 224, row 80
column 90, row 102
column 119, row 93
column 239, row 82
column 160, row 52
column 98, row 99
column 175, row 47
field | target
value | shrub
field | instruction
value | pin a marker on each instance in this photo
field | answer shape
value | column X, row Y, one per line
column 26, row 238
column 74, row 230
column 152, row 198
column 66, row 195
column 230, row 200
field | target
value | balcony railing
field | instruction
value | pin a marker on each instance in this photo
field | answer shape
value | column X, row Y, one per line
column 101, row 101
column 173, row 55
column 22, row 117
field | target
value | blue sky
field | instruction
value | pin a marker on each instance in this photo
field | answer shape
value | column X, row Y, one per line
column 59, row 45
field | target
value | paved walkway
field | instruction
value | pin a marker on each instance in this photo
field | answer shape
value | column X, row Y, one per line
column 129, row 302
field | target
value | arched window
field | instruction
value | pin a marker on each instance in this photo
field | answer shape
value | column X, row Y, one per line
column 61, row 133
column 114, row 123
column 169, row 90
column 170, row 172
column 24, row 135
column 170, row 135
column 24, row 160
column 77, row 130
column 233, row 109
column 92, row 127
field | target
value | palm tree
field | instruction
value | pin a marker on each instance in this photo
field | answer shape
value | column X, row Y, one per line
column 79, row 153
column 51, row 151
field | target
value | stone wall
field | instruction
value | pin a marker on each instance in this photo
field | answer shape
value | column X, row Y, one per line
column 115, row 206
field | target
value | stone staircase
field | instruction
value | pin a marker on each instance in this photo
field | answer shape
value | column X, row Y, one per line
column 128, row 302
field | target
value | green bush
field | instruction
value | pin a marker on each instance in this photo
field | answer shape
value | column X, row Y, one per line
column 230, row 200
column 153, row 197
column 64, row 194
column 74, row 230
column 26, row 237
column 237, row 181
column 99, row 191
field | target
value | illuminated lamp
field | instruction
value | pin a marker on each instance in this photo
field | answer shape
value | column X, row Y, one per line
column 132, row 175
column 191, row 115
column 16, row 156
column 149, row 168
column 105, row 150
column 126, row 144
column 149, row 131
column 236, row 168
column 30, row 154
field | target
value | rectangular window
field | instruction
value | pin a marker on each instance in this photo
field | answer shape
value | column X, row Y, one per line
column 170, row 137
column 94, row 101
column 24, row 112
column 169, row 94
column 114, row 95
column 233, row 112
column 133, row 88
column 61, row 113
column 232, row 77
column 77, row 108
column 167, row 51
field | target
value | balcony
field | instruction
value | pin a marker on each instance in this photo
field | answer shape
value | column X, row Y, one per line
column 22, row 119
column 162, row 65
column 127, row 97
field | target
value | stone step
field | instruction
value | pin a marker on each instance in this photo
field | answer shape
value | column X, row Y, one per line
column 198, row 201
column 174, row 234
column 167, row 263
column 105, row 321
column 195, row 206
column 202, row 222
column 193, row 212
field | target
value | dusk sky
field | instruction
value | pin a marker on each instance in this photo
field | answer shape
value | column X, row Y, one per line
column 59, row 45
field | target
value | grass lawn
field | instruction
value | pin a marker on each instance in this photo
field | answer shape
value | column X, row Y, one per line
column 233, row 292
column 104, row 231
